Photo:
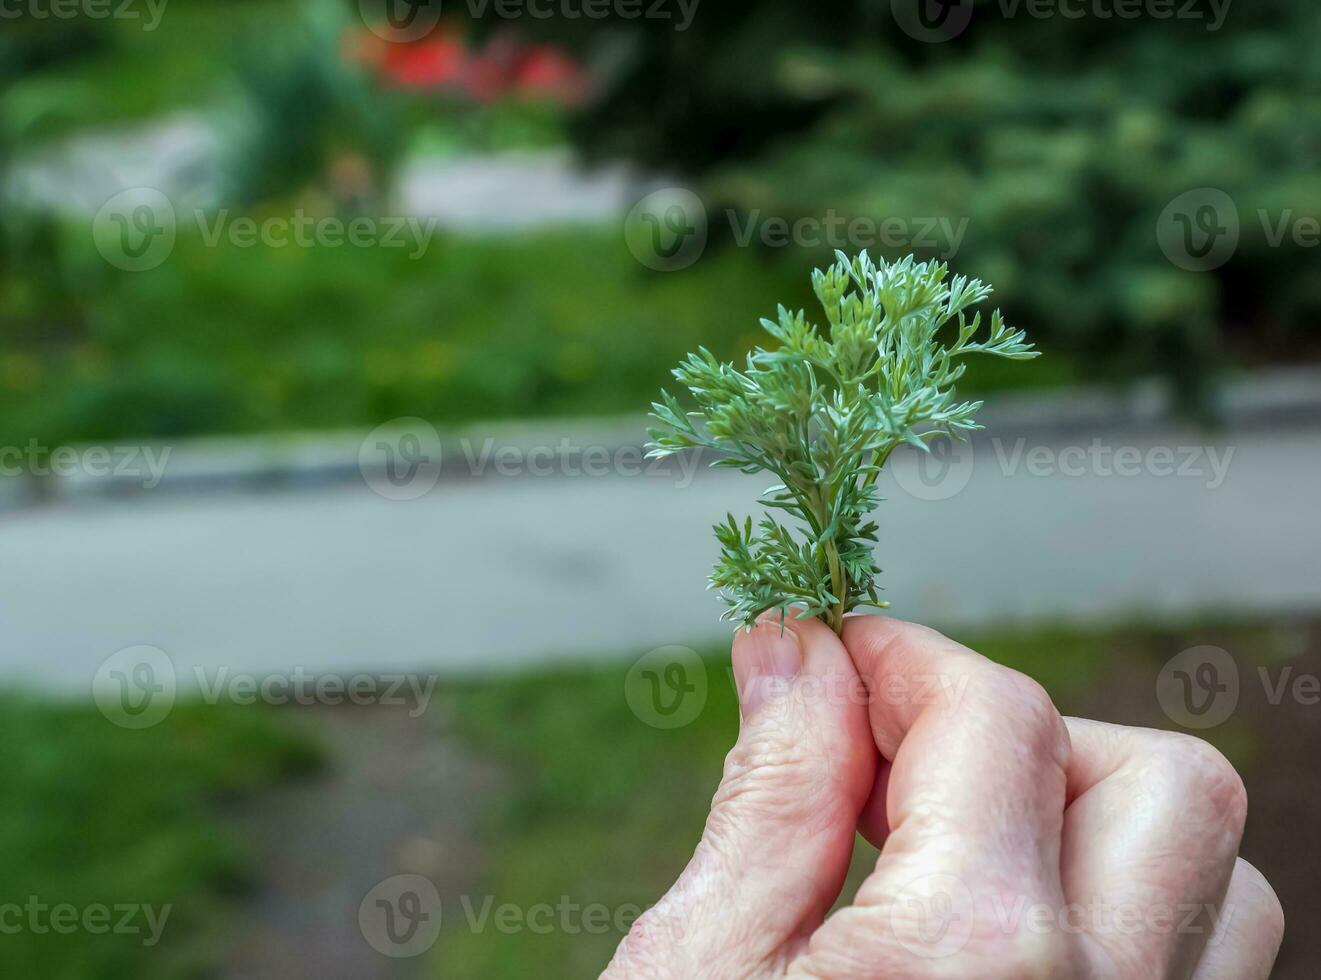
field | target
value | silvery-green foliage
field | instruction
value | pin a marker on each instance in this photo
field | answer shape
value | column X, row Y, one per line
column 822, row 411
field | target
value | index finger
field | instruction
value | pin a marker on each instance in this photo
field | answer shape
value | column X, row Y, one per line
column 974, row 802
column 975, row 747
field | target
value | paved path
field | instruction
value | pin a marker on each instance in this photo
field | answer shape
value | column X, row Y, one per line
column 494, row 572
column 181, row 156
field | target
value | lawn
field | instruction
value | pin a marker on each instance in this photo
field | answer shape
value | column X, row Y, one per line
column 94, row 815
column 228, row 339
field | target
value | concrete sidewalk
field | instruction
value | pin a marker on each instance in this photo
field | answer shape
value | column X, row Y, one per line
column 1091, row 523
column 182, row 156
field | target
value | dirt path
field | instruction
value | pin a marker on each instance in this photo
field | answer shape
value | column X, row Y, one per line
column 396, row 798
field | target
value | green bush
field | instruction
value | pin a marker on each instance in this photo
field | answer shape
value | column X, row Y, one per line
column 1059, row 140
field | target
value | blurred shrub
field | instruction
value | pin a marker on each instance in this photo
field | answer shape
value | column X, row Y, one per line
column 35, row 298
column 309, row 114
column 1059, row 140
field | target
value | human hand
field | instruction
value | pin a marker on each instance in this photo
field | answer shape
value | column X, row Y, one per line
column 1014, row 843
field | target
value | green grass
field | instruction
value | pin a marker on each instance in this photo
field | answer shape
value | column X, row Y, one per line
column 92, row 814
column 604, row 809
column 227, row 339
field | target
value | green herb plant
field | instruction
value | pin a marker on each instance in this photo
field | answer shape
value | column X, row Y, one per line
column 822, row 412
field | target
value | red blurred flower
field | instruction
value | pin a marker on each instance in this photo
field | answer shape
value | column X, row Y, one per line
column 429, row 63
column 547, row 72
column 504, row 68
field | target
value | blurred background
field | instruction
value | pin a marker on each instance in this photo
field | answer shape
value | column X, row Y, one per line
column 344, row 631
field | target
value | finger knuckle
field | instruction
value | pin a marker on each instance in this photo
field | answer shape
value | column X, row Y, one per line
column 1190, row 781
column 773, row 771
column 877, row 640
column 768, row 756
column 1201, row 777
column 1033, row 711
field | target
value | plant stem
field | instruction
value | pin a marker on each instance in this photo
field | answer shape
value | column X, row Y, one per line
column 838, row 585
column 838, row 580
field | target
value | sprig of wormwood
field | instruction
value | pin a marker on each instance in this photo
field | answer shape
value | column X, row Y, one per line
column 823, row 414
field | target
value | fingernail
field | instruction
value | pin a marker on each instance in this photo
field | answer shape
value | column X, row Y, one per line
column 770, row 659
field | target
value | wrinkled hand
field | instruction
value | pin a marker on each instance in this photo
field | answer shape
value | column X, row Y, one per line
column 1014, row 843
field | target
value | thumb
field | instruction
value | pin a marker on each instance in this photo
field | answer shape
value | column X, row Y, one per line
column 780, row 834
